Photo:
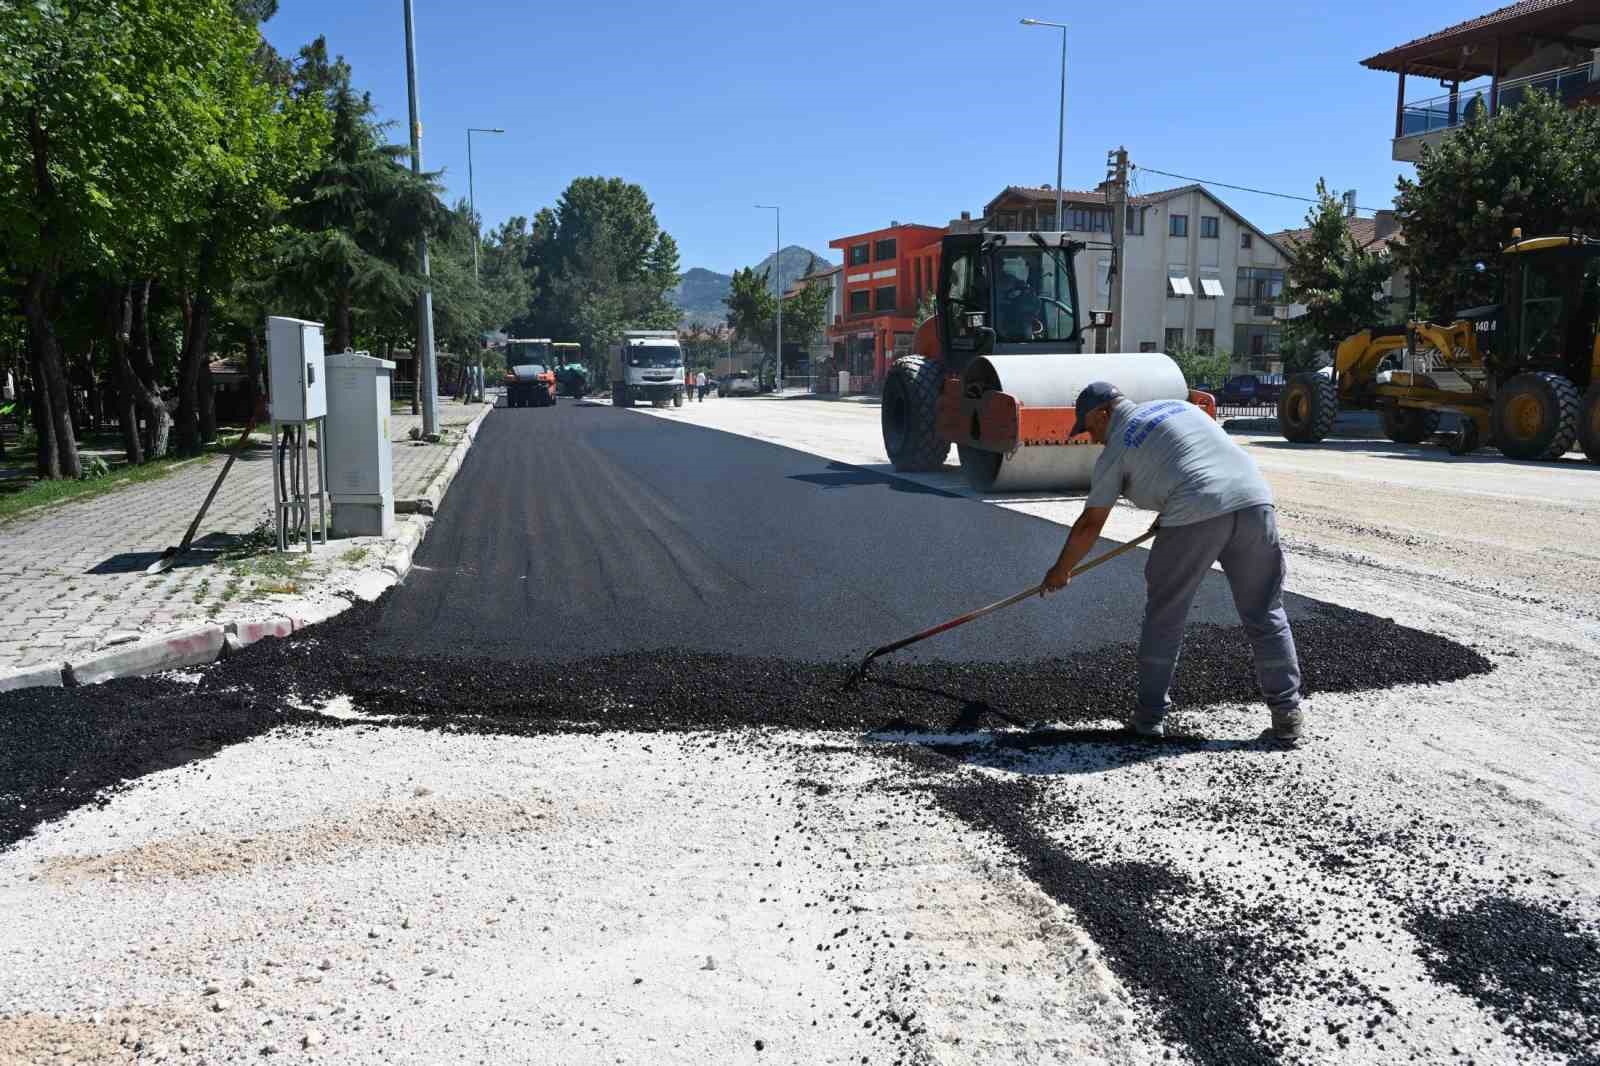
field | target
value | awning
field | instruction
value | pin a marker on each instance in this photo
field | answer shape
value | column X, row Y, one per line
column 1211, row 286
column 1180, row 286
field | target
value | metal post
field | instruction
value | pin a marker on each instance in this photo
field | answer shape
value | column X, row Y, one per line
column 427, row 359
column 1061, row 131
column 1119, row 240
column 477, row 239
column 777, row 264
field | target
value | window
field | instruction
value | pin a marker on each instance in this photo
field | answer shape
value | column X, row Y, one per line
column 1089, row 219
column 858, row 255
column 1135, row 223
column 860, row 301
column 1006, row 221
column 1147, row 346
column 884, row 249
column 967, row 293
column 1205, row 340
column 1246, row 239
column 1256, row 340
column 1174, row 339
column 1258, row 285
column 1033, row 296
column 886, row 298
column 1178, row 226
column 1210, row 226
column 1047, row 221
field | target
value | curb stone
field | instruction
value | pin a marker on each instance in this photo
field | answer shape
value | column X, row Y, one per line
column 187, row 647
column 198, row 645
column 33, row 677
column 428, row 503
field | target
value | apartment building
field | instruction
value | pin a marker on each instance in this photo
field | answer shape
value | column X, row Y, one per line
column 1196, row 273
column 886, row 273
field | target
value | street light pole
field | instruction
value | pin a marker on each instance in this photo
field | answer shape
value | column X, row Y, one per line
column 477, row 238
column 777, row 264
column 472, row 199
column 1061, row 130
column 425, row 355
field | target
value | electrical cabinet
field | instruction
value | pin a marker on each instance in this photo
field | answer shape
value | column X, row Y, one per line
column 296, row 376
column 358, row 454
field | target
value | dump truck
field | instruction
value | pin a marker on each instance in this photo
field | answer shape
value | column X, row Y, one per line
column 1522, row 375
column 529, row 380
column 997, row 369
column 647, row 365
column 572, row 377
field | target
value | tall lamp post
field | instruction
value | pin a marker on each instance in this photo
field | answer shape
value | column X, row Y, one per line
column 472, row 199
column 477, row 239
column 777, row 264
column 427, row 360
column 1061, row 131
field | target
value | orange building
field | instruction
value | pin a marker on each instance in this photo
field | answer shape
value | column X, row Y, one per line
column 886, row 274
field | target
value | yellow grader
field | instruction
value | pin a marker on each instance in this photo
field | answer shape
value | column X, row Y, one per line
column 1533, row 392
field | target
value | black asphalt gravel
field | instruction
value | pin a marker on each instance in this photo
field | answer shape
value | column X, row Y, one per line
column 597, row 570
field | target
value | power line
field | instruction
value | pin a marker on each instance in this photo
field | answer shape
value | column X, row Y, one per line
column 1245, row 188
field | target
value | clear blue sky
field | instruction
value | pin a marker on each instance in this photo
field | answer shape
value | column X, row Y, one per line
column 851, row 116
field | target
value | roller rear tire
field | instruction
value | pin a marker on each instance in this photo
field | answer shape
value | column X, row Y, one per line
column 910, row 414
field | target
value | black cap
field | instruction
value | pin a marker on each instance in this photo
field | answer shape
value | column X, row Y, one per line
column 1095, row 395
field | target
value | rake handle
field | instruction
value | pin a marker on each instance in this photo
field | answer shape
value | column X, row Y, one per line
column 973, row 616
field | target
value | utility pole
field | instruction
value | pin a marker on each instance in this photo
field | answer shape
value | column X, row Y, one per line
column 777, row 265
column 1117, row 198
column 426, row 358
column 477, row 239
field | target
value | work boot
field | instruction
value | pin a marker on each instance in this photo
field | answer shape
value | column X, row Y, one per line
column 1145, row 724
column 1288, row 727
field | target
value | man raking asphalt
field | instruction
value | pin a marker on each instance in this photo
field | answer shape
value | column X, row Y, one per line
column 1213, row 505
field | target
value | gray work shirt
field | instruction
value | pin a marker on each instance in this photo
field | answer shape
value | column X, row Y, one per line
column 1171, row 457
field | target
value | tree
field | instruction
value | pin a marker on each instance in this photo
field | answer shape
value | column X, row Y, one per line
column 752, row 307
column 1535, row 165
column 1200, row 366
column 1339, row 282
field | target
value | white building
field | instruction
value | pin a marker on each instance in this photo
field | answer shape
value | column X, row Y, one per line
column 1196, row 273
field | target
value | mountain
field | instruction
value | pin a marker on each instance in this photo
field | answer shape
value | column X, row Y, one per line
column 700, row 293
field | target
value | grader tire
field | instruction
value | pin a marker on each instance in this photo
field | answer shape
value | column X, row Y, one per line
column 909, row 414
column 1307, row 408
column 1536, row 416
column 1589, row 423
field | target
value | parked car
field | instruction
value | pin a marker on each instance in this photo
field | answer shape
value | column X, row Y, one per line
column 741, row 383
column 1250, row 390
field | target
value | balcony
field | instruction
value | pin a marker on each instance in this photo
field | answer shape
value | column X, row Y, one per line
column 1425, row 122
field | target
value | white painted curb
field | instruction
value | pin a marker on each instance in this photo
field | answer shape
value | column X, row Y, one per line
column 32, row 677
column 187, row 647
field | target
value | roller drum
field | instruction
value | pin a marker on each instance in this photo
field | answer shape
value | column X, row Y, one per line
column 1055, row 381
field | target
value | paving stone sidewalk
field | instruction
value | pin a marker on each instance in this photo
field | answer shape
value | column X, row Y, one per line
column 72, row 577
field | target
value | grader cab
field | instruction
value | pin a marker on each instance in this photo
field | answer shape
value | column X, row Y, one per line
column 1533, row 391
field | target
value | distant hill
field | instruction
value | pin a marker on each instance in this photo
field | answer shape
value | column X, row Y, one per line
column 700, row 294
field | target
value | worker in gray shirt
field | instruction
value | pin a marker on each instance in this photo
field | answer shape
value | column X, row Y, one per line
column 1213, row 506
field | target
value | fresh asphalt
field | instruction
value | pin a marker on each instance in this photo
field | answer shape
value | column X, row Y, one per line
column 583, row 530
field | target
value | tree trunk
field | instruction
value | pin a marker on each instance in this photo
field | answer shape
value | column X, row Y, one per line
column 53, row 393
column 44, row 429
column 343, row 320
column 208, row 401
column 196, row 326
column 157, row 419
column 128, row 388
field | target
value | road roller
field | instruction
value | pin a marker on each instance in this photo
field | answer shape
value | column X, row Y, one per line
column 997, row 369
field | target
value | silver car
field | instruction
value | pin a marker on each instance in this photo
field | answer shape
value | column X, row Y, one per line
column 740, row 384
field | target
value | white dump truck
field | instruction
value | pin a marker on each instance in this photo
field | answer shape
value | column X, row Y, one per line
column 647, row 364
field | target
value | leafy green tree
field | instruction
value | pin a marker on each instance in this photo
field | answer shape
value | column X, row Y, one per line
column 1535, row 165
column 98, row 140
column 1339, row 282
column 597, row 264
column 1200, row 365
column 752, row 307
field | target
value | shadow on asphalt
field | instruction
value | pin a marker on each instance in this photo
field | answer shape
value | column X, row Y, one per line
column 1429, row 453
column 843, row 475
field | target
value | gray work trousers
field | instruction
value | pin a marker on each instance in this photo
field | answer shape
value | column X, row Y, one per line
column 1246, row 544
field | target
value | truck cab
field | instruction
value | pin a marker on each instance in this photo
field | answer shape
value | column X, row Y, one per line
column 647, row 365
